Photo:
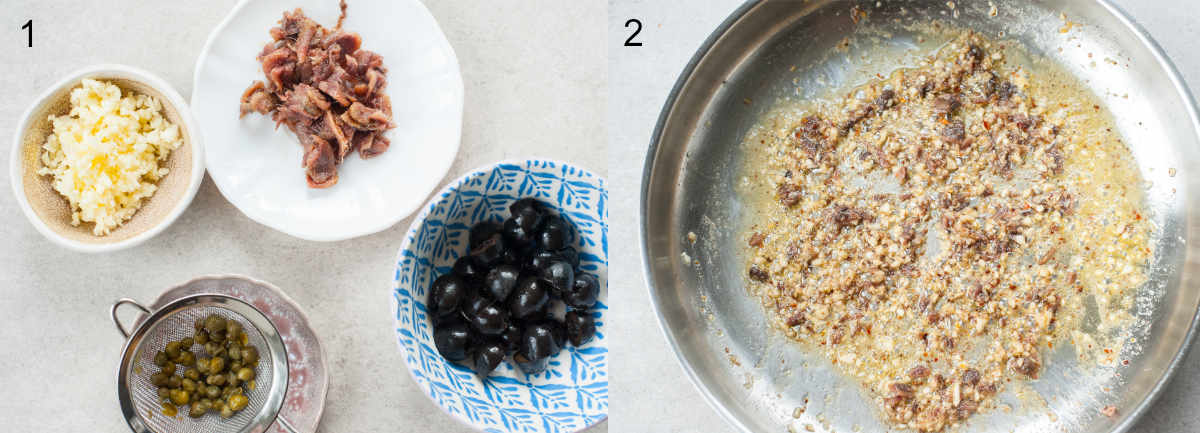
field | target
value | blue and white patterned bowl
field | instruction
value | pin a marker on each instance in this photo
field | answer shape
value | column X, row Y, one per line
column 573, row 392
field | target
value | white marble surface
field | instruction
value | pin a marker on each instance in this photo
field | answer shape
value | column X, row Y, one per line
column 651, row 392
column 536, row 81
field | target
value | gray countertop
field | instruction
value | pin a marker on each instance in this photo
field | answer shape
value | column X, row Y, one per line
column 535, row 86
column 650, row 389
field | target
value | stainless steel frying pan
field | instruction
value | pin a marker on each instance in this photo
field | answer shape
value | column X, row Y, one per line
column 759, row 56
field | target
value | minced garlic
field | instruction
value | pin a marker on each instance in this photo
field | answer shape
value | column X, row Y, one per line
column 104, row 154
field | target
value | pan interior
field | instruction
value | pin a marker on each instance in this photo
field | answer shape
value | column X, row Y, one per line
column 765, row 53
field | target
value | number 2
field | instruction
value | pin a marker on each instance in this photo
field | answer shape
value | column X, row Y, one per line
column 629, row 42
column 29, row 25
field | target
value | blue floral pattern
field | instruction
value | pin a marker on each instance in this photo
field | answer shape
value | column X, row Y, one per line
column 572, row 393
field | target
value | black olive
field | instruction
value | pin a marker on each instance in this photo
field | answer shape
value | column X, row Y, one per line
column 505, row 288
column 528, row 213
column 447, row 294
column 480, row 232
column 539, row 259
column 529, row 220
column 490, row 319
column 558, row 331
column 437, row 320
column 515, row 234
column 489, row 251
column 513, row 256
column 559, row 274
column 581, row 326
column 528, row 298
column 526, row 204
column 531, row 366
column 500, row 281
column 511, row 337
column 553, row 235
column 570, row 255
column 451, row 340
column 474, row 302
column 583, row 292
column 470, row 271
column 537, row 341
column 487, row 356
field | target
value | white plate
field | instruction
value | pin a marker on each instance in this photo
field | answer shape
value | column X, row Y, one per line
column 257, row 167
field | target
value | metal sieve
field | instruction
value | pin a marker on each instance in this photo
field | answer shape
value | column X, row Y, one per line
column 140, row 404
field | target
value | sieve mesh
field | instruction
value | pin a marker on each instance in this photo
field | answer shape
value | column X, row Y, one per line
column 176, row 326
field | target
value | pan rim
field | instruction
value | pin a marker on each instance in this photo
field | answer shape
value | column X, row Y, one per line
column 1163, row 62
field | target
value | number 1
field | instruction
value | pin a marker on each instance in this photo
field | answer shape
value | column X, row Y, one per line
column 29, row 25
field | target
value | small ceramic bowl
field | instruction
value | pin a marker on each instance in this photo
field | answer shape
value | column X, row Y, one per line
column 50, row 212
column 572, row 393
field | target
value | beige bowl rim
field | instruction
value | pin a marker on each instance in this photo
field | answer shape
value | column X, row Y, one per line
column 192, row 139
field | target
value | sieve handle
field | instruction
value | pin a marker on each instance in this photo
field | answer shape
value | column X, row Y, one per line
column 117, row 305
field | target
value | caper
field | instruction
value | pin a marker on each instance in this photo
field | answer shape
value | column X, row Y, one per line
column 198, row 409
column 249, row 356
column 238, row 402
column 233, row 330
column 173, row 350
column 159, row 379
column 213, row 383
column 214, row 323
column 216, row 365
column 188, row 385
column 187, row 359
column 169, row 409
column 180, row 397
